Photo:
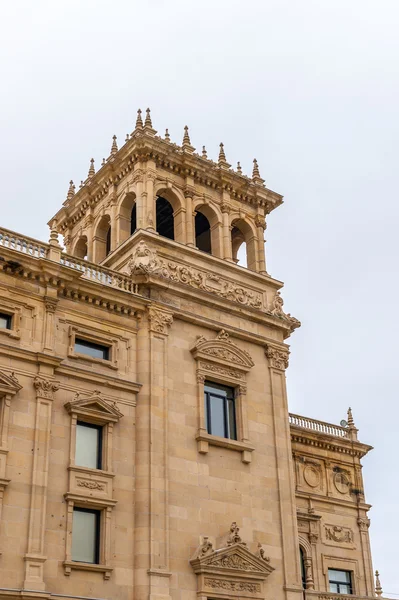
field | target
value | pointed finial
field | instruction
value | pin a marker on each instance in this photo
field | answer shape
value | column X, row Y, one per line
column 378, row 588
column 222, row 162
column 127, row 137
column 92, row 171
column 167, row 136
column 103, row 162
column 114, row 147
column 256, row 178
column 53, row 241
column 139, row 120
column 148, row 122
column 351, row 422
column 81, row 183
column 204, row 152
column 71, row 190
column 186, row 145
column 239, row 170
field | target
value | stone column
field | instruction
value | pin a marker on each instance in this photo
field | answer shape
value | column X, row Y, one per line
column 278, row 361
column 89, row 234
column 152, row 489
column 34, row 558
column 261, row 226
column 150, row 199
column 190, row 233
column 227, row 250
column 364, row 524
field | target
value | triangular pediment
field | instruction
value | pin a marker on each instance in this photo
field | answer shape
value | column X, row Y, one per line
column 237, row 559
column 222, row 350
column 94, row 406
column 9, row 384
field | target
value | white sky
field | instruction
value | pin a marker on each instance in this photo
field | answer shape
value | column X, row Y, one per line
column 310, row 88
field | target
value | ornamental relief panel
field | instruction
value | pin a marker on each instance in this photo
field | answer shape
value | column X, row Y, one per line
column 310, row 474
column 336, row 535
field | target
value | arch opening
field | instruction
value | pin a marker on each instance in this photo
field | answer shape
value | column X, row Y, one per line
column 127, row 218
column 203, row 233
column 133, row 219
column 102, row 239
column 243, row 244
column 303, row 570
column 80, row 250
column 164, row 218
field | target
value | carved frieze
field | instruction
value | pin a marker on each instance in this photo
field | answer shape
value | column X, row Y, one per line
column 90, row 485
column 219, row 370
column 232, row 586
column 223, row 350
column 146, row 261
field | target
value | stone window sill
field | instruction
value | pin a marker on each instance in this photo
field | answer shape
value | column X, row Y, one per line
column 96, row 361
column 204, row 440
column 70, row 565
column 12, row 333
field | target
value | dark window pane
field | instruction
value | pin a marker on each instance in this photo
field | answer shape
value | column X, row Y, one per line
column 334, row 588
column 88, row 446
column 91, row 349
column 339, row 576
column 5, row 321
column 217, row 416
column 85, row 535
column 232, row 434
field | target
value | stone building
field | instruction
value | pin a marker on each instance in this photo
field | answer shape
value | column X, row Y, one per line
column 146, row 448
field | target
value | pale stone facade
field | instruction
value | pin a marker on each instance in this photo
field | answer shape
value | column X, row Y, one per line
column 183, row 513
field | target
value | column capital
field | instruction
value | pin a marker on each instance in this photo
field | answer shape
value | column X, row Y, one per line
column 159, row 320
column 45, row 388
column 278, row 356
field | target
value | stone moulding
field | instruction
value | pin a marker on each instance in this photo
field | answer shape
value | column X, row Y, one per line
column 223, row 351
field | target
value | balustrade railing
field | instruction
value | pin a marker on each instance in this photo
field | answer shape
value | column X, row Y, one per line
column 90, row 271
column 24, row 244
column 318, row 426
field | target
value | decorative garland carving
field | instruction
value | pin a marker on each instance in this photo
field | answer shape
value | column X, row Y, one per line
column 232, row 586
column 278, row 357
column 342, row 535
column 160, row 321
column 90, row 485
column 146, row 261
column 45, row 388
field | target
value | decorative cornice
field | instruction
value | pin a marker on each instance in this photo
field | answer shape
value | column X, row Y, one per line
column 224, row 351
column 159, row 320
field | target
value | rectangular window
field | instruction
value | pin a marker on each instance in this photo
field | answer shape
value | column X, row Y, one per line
column 5, row 321
column 220, row 410
column 86, row 535
column 88, row 451
column 91, row 349
column 340, row 581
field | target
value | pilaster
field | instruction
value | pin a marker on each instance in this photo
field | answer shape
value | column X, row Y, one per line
column 45, row 387
column 277, row 356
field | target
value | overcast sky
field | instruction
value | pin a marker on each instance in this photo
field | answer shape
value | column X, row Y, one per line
column 310, row 88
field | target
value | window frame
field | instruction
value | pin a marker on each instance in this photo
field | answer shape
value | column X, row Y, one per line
column 100, row 442
column 210, row 385
column 339, row 583
column 13, row 314
column 97, row 534
column 8, row 318
column 96, row 338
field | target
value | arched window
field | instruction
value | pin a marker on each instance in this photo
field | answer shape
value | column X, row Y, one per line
column 102, row 239
column 242, row 234
column 80, row 250
column 164, row 218
column 203, row 233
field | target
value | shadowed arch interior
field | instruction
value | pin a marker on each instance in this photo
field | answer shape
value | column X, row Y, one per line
column 203, row 233
column 164, row 218
column 242, row 235
column 80, row 250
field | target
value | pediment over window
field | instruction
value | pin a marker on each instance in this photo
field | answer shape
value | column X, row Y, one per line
column 232, row 569
column 236, row 558
column 222, row 350
column 9, row 384
column 94, row 407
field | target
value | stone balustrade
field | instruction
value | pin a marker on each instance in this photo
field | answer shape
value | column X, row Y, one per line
column 318, row 426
